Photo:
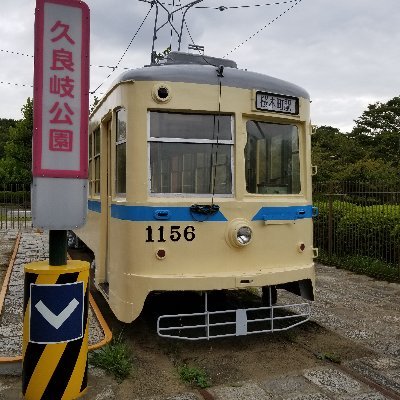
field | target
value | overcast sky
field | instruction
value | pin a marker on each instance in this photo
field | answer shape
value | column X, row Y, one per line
column 345, row 53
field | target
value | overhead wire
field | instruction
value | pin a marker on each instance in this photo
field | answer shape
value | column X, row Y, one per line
column 16, row 53
column 190, row 35
column 220, row 75
column 126, row 50
column 108, row 66
column 265, row 26
column 192, row 40
column 223, row 8
column 172, row 22
column 296, row 2
column 199, row 51
column 100, row 66
column 168, row 21
column 213, row 167
column 15, row 84
column 31, row 56
column 22, row 85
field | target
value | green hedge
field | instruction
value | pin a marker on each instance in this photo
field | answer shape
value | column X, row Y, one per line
column 363, row 264
column 370, row 231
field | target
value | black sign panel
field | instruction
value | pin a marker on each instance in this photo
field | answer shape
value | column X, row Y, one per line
column 277, row 103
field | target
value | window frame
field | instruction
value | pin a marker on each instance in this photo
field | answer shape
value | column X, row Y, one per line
column 231, row 144
column 118, row 143
column 96, row 179
column 299, row 130
column 90, row 163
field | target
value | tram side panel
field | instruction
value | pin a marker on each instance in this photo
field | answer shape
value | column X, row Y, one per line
column 143, row 255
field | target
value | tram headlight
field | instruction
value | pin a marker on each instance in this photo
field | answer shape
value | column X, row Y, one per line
column 243, row 235
column 239, row 233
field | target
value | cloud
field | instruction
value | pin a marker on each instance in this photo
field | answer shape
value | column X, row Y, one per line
column 344, row 53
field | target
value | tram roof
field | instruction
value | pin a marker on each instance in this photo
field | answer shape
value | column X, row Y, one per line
column 193, row 68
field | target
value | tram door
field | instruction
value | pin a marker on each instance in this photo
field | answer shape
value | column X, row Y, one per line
column 116, row 132
column 109, row 201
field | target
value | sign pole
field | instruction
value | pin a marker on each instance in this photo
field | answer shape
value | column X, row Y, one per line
column 57, row 248
column 56, row 291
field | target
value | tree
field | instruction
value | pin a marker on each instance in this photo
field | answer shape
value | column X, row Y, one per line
column 370, row 152
column 96, row 101
column 5, row 125
column 332, row 151
column 378, row 131
column 369, row 170
column 16, row 164
column 379, row 118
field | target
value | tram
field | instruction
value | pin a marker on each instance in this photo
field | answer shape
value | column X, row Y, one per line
column 200, row 180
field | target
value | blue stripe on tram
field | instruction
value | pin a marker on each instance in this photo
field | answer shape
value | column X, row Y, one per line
column 289, row 213
column 183, row 214
column 145, row 213
column 94, row 205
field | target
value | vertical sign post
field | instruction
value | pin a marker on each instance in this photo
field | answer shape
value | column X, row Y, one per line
column 61, row 108
column 55, row 333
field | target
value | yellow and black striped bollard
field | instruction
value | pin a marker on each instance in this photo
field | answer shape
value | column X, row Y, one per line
column 55, row 337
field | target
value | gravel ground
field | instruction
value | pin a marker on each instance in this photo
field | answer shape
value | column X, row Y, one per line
column 355, row 317
column 360, row 308
column 33, row 247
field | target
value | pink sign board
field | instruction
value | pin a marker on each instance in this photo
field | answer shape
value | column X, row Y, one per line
column 61, row 89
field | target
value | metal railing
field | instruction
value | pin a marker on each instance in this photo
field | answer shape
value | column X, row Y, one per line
column 358, row 226
column 233, row 322
column 15, row 206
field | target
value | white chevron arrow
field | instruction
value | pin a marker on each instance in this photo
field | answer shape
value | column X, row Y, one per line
column 53, row 319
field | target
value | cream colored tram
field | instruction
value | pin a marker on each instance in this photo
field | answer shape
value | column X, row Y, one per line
column 200, row 180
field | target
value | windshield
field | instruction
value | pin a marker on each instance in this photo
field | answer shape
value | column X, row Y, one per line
column 272, row 158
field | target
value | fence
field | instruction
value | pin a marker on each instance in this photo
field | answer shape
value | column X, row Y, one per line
column 15, row 206
column 358, row 227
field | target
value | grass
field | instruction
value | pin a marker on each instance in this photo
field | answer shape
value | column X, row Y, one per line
column 332, row 357
column 362, row 264
column 289, row 335
column 115, row 358
column 194, row 376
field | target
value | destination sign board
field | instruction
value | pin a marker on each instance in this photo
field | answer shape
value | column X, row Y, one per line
column 277, row 103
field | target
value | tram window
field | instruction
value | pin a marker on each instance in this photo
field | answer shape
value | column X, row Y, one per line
column 96, row 158
column 190, row 126
column 189, row 153
column 120, row 152
column 272, row 158
column 90, row 178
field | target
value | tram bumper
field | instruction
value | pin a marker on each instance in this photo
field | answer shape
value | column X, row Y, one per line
column 128, row 302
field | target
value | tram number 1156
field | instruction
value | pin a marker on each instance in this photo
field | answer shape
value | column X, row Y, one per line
column 175, row 233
